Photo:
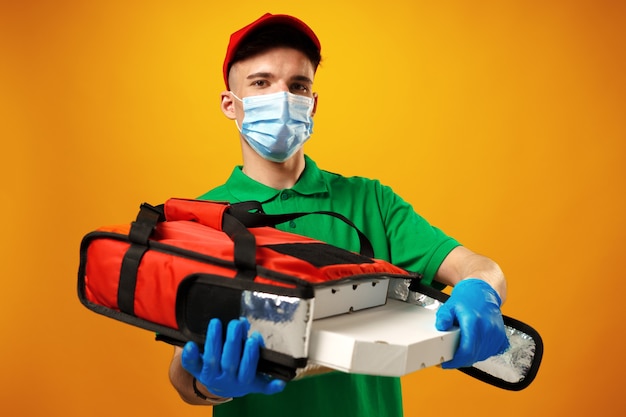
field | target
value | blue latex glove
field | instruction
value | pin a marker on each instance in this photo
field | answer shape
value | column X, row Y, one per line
column 229, row 370
column 475, row 307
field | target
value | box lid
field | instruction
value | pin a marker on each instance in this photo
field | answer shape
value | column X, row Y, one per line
column 394, row 339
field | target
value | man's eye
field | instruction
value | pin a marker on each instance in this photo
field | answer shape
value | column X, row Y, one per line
column 259, row 83
column 300, row 88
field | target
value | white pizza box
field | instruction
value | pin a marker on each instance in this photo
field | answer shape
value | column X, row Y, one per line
column 394, row 339
column 347, row 296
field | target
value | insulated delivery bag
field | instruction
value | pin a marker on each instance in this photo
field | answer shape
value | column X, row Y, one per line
column 184, row 262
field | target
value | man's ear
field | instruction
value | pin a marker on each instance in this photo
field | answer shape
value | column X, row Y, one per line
column 228, row 105
column 314, row 104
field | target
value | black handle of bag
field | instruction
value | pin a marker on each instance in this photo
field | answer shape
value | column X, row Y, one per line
column 140, row 231
column 236, row 220
column 250, row 214
column 143, row 227
column 244, row 246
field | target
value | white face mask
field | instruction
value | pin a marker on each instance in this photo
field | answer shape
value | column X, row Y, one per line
column 276, row 125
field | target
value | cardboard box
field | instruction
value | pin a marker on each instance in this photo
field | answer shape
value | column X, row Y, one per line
column 349, row 296
column 394, row 339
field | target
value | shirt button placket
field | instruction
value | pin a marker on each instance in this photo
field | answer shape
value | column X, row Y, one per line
column 285, row 196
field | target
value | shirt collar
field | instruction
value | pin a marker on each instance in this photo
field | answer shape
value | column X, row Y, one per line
column 245, row 188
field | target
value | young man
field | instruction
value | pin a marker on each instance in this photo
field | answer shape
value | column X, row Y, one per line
column 269, row 70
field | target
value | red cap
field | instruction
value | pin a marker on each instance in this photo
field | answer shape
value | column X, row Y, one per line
column 266, row 19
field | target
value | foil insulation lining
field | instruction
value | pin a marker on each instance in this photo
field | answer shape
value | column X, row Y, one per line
column 399, row 290
column 511, row 366
column 284, row 322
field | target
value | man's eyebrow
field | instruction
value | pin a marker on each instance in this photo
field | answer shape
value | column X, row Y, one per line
column 302, row 78
column 259, row 75
column 269, row 75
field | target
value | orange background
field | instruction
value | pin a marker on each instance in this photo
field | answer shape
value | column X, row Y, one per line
column 502, row 122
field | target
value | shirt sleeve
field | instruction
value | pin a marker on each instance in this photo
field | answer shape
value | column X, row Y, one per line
column 414, row 243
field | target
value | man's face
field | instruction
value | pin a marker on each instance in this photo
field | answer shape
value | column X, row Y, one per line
column 277, row 69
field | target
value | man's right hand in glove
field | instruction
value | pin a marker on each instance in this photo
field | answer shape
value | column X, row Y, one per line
column 226, row 369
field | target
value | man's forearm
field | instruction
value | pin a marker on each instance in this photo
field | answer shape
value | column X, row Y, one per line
column 462, row 263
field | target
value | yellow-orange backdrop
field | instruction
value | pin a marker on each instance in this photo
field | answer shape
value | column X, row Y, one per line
column 502, row 122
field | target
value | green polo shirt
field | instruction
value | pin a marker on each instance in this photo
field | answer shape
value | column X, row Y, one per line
column 398, row 235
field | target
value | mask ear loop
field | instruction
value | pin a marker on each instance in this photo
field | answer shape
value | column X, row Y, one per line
column 236, row 123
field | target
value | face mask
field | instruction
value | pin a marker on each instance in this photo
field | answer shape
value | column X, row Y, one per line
column 276, row 125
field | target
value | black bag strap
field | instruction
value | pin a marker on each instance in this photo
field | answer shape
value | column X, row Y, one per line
column 250, row 214
column 139, row 235
column 244, row 247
